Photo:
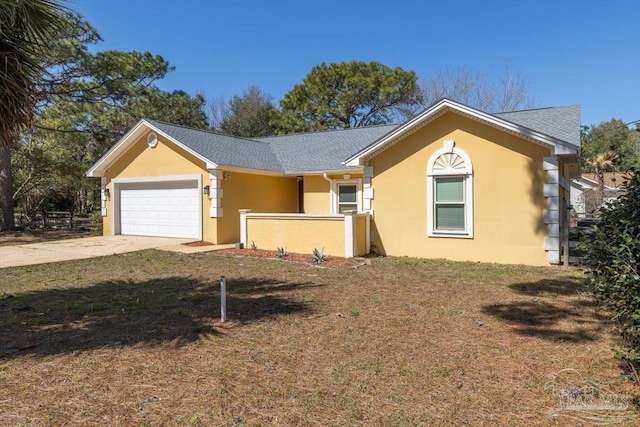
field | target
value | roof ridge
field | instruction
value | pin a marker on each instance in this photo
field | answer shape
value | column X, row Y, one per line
column 210, row 131
column 536, row 109
column 329, row 131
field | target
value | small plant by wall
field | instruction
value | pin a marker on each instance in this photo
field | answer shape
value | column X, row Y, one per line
column 281, row 252
column 318, row 255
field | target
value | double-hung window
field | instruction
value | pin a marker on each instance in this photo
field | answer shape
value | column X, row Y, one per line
column 450, row 193
column 449, row 203
column 347, row 197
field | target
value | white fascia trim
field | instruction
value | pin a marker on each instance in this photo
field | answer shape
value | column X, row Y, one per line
column 294, row 216
column 166, row 178
column 125, row 143
column 445, row 105
column 351, row 171
column 98, row 168
column 286, row 174
column 239, row 169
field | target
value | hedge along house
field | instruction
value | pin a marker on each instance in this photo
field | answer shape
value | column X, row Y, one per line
column 453, row 182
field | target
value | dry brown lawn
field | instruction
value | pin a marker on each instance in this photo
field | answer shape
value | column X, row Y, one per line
column 135, row 340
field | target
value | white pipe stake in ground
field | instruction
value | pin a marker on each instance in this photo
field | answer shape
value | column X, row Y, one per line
column 223, row 299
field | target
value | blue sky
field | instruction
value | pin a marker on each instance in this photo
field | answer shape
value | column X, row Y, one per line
column 572, row 52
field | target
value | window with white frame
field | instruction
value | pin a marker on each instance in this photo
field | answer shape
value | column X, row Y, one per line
column 450, row 193
column 346, row 195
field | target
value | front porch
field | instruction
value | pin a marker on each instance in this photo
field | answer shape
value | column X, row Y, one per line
column 341, row 235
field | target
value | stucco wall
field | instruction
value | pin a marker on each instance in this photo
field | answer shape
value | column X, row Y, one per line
column 165, row 160
column 269, row 194
column 508, row 195
column 298, row 234
column 317, row 192
column 316, row 195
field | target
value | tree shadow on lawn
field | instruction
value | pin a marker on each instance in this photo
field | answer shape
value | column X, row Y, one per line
column 560, row 311
column 127, row 313
column 552, row 287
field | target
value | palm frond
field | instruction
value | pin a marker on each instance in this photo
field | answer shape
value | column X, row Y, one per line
column 26, row 26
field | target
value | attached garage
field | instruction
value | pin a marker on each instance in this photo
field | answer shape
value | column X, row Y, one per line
column 162, row 208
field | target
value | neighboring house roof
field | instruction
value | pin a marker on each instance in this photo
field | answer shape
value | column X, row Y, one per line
column 611, row 179
column 340, row 150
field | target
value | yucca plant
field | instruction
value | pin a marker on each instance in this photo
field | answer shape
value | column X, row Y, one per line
column 318, row 255
column 282, row 252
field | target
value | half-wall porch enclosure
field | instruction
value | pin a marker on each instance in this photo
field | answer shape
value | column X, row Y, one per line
column 341, row 235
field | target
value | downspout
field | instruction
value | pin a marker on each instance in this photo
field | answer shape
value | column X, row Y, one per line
column 324, row 175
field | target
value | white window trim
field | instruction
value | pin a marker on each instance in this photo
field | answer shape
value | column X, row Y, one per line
column 334, row 193
column 465, row 172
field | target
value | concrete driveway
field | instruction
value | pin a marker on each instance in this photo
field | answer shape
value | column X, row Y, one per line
column 88, row 247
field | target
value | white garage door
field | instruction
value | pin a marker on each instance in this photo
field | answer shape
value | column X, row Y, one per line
column 163, row 209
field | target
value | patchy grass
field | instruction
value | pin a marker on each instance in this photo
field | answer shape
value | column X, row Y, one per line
column 135, row 339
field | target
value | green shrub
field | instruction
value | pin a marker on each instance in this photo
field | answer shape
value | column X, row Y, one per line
column 612, row 251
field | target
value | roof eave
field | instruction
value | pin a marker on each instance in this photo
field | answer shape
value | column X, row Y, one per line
column 252, row 171
column 99, row 167
column 323, row 171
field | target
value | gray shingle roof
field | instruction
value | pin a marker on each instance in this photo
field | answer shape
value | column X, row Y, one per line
column 323, row 151
column 326, row 150
column 559, row 122
column 223, row 149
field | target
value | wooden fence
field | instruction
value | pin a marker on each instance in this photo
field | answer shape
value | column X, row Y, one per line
column 55, row 220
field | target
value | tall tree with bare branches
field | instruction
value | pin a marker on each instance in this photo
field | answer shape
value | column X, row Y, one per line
column 25, row 28
column 508, row 91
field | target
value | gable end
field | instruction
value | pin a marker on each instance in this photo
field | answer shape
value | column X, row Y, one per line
column 559, row 147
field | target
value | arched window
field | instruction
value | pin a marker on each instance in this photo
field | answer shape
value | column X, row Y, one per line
column 450, row 193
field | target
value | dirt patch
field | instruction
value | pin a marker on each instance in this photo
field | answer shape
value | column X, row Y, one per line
column 329, row 262
column 23, row 237
column 198, row 244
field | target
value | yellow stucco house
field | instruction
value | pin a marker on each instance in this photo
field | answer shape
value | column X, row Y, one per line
column 454, row 182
